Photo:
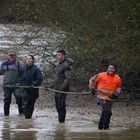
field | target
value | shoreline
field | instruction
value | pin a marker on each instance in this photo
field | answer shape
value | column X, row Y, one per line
column 87, row 108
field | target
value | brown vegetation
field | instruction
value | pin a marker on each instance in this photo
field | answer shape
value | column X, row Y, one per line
column 96, row 33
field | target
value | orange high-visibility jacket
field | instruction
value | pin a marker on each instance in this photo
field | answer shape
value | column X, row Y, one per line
column 106, row 84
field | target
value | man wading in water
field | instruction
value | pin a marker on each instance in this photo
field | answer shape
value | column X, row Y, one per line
column 11, row 68
column 61, row 82
column 107, row 86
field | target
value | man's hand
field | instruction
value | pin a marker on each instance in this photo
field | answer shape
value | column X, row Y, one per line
column 92, row 91
column 92, row 80
column 31, row 86
column 17, row 85
column 114, row 95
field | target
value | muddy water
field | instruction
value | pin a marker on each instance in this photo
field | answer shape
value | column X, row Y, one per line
column 44, row 126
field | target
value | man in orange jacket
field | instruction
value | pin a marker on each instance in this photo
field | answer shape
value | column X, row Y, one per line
column 107, row 86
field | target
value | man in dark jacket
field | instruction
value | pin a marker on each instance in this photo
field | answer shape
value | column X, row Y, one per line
column 11, row 68
column 61, row 82
column 31, row 77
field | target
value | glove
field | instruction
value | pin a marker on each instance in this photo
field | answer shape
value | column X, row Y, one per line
column 31, row 86
column 92, row 91
column 17, row 85
column 114, row 95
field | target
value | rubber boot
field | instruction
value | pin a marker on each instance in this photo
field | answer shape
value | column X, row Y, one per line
column 7, row 102
column 101, row 121
column 107, row 119
column 6, row 111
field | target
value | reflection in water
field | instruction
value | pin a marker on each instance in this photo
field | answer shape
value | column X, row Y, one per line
column 15, row 128
column 60, row 132
column 23, row 131
column 6, row 128
column 126, row 134
column 47, row 128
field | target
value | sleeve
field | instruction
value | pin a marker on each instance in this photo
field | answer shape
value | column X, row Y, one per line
column 66, row 66
column 119, row 82
column 1, row 68
column 21, row 66
column 67, row 69
column 98, row 78
column 118, row 87
column 94, row 81
column 38, row 78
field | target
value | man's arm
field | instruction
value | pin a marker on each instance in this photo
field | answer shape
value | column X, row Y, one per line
column 93, row 84
column 38, row 78
column 67, row 68
column 116, row 93
column 92, row 80
column 118, row 90
column 1, row 69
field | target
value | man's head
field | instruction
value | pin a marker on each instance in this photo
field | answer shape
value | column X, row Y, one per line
column 60, row 55
column 111, row 69
column 12, row 55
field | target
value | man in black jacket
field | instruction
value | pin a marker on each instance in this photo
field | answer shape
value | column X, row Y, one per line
column 61, row 82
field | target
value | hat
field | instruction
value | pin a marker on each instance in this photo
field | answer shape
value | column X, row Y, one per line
column 11, row 53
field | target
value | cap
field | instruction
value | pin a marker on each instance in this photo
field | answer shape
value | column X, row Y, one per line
column 11, row 53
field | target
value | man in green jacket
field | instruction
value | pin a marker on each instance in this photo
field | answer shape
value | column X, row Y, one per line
column 11, row 69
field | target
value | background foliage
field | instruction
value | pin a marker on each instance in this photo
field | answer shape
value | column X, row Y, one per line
column 96, row 32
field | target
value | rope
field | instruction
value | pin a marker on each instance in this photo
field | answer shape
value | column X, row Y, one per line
column 46, row 88
column 54, row 90
column 76, row 93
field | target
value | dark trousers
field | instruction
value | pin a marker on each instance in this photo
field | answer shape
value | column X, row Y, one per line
column 7, row 99
column 60, row 100
column 105, row 115
column 28, row 106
